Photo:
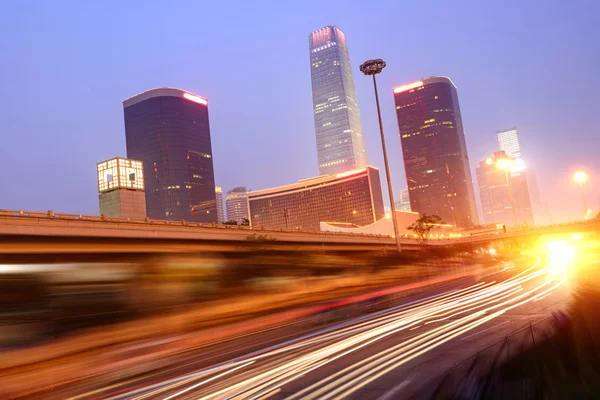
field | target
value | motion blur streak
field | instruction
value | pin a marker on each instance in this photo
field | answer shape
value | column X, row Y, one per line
column 443, row 317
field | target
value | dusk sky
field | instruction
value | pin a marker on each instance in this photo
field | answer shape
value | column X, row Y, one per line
column 66, row 67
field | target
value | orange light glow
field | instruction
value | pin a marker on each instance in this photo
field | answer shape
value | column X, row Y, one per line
column 504, row 163
column 580, row 176
column 350, row 173
column 404, row 88
column 196, row 99
column 489, row 161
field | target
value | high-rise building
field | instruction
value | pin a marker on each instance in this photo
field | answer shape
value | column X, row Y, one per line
column 349, row 197
column 496, row 197
column 168, row 130
column 220, row 209
column 404, row 203
column 121, row 188
column 338, row 127
column 237, row 204
column 508, row 140
column 435, row 151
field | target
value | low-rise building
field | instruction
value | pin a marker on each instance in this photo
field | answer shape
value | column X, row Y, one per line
column 352, row 197
column 121, row 188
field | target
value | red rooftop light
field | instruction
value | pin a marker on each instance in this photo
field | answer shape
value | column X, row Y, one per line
column 195, row 99
column 404, row 88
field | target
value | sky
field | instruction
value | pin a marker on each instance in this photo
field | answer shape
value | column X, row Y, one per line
column 66, row 66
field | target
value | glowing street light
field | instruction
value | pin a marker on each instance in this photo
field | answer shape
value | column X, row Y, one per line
column 505, row 164
column 581, row 177
column 374, row 67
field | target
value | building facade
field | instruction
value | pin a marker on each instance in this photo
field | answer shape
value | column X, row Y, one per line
column 404, row 203
column 121, row 188
column 168, row 130
column 435, row 151
column 220, row 207
column 508, row 141
column 495, row 195
column 338, row 127
column 350, row 197
column 237, row 204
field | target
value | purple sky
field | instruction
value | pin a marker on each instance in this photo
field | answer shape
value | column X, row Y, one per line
column 66, row 67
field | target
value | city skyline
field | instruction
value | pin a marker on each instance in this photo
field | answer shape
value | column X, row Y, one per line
column 84, row 112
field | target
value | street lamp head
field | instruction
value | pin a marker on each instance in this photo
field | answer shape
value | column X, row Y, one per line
column 580, row 176
column 372, row 67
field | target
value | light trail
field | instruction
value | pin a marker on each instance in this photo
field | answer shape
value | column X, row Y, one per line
column 455, row 312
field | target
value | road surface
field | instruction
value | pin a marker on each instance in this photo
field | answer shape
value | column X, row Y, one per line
column 383, row 355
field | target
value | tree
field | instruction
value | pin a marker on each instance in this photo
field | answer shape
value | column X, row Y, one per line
column 424, row 225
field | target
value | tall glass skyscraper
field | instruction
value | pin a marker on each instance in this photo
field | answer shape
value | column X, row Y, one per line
column 167, row 129
column 435, row 151
column 508, row 140
column 338, row 127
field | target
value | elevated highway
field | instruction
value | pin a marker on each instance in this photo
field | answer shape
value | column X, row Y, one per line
column 52, row 233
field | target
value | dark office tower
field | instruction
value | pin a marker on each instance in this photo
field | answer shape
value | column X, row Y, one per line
column 167, row 129
column 339, row 130
column 435, row 151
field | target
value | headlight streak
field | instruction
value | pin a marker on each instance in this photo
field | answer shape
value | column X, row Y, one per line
column 208, row 380
column 375, row 362
column 284, row 363
column 456, row 333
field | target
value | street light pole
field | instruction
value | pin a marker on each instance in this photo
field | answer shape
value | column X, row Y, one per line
column 374, row 67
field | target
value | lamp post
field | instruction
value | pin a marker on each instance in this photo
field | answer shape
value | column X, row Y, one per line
column 374, row 67
column 505, row 163
column 581, row 177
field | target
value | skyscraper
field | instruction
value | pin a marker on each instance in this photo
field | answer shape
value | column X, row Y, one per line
column 508, row 140
column 435, row 151
column 338, row 127
column 496, row 199
column 168, row 130
column 220, row 209
column 404, row 203
column 236, row 203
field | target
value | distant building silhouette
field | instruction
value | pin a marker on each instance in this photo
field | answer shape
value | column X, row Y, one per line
column 220, row 209
column 237, row 204
column 495, row 197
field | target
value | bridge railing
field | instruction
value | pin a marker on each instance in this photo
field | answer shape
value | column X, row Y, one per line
column 182, row 223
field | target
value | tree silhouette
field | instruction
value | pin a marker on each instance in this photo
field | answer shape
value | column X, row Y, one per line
column 424, row 225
